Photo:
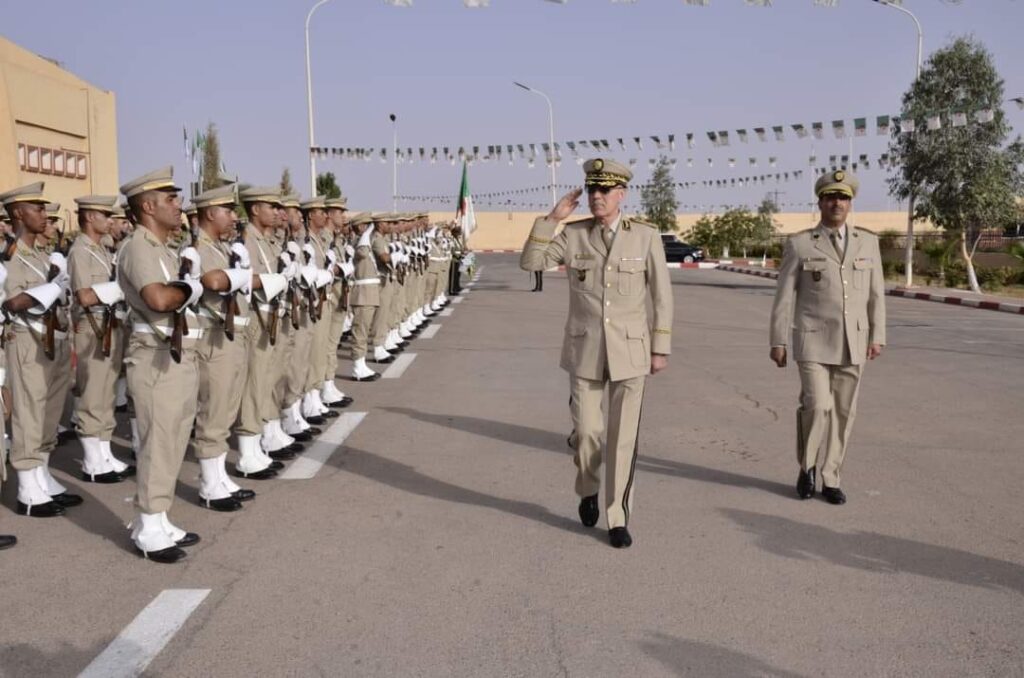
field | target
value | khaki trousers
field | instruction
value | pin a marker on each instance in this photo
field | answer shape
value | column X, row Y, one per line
column 95, row 379
column 298, row 366
column 257, row 394
column 284, row 351
column 625, row 399
column 165, row 395
column 333, row 339
column 38, row 389
column 828, row 406
column 222, row 373
column 383, row 315
column 318, row 349
column 362, row 321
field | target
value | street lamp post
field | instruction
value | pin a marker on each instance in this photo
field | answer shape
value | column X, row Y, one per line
column 908, row 261
column 394, row 162
column 309, row 102
column 551, row 133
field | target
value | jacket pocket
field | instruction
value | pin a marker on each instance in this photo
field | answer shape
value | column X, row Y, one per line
column 581, row 274
column 637, row 344
column 861, row 273
column 815, row 275
column 631, row 276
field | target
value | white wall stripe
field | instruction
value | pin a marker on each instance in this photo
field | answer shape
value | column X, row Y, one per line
column 312, row 460
column 141, row 641
column 430, row 331
column 398, row 368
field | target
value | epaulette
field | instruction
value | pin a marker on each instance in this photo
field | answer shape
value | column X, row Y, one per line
column 577, row 222
column 638, row 222
column 864, row 230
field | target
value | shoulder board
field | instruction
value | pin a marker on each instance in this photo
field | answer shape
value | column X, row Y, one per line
column 579, row 222
column 863, row 230
column 639, row 222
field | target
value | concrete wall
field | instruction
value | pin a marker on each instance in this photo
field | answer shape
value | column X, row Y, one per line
column 508, row 230
column 43, row 105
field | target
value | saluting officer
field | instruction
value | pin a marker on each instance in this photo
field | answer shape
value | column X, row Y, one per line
column 831, row 297
column 615, row 265
column 38, row 353
column 163, row 376
column 99, row 341
column 365, row 297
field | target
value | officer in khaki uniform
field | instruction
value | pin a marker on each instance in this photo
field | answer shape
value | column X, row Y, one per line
column 99, row 344
column 337, row 300
column 164, row 387
column 615, row 266
column 38, row 382
column 365, row 296
column 317, row 278
column 222, row 352
column 831, row 296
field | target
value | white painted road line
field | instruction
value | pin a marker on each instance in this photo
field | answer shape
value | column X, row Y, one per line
column 447, row 312
column 312, row 460
column 135, row 647
column 398, row 368
column 457, row 300
column 430, row 331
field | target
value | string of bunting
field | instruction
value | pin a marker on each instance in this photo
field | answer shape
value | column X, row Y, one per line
column 531, row 152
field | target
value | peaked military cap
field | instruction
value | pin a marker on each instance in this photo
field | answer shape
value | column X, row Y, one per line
column 30, row 193
column 360, row 219
column 291, row 200
column 267, row 194
column 606, row 172
column 157, row 180
column 117, row 211
column 98, row 203
column 316, row 202
column 839, row 181
column 53, row 210
column 340, row 202
column 224, row 195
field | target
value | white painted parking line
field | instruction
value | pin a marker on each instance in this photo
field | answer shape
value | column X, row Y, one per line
column 135, row 647
column 447, row 312
column 398, row 368
column 457, row 300
column 430, row 331
column 313, row 459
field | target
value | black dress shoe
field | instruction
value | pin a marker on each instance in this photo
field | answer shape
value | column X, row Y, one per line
column 304, row 436
column 346, row 401
column 263, row 474
column 296, row 448
column 167, row 556
column 66, row 500
column 336, row 404
column 47, row 510
column 129, row 471
column 108, row 478
column 283, row 453
column 226, row 504
column 317, row 421
column 833, row 495
column 385, row 361
column 314, row 431
column 330, row 414
column 619, row 538
column 190, row 539
column 374, row 377
column 243, row 495
column 589, row 511
column 121, row 408
column 805, row 484
column 7, row 541
column 276, row 465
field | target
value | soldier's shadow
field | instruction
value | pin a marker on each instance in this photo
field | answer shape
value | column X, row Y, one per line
column 685, row 657
column 407, row 479
column 536, row 438
column 875, row 552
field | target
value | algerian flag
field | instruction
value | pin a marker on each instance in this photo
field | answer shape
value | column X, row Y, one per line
column 464, row 213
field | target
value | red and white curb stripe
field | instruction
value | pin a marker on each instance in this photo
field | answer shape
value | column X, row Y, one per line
column 1016, row 309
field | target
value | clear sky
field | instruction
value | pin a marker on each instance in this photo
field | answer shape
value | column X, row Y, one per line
column 612, row 70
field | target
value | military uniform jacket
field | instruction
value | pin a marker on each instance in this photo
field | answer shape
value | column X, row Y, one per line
column 89, row 263
column 28, row 268
column 215, row 255
column 608, row 330
column 366, row 286
column 834, row 307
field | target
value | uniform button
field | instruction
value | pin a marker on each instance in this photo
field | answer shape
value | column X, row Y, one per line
column 844, row 282
column 607, row 284
column 607, row 303
column 606, row 320
column 609, row 268
column 845, row 297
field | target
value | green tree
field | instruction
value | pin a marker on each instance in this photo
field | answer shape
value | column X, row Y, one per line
column 327, row 185
column 286, row 182
column 658, row 197
column 212, row 162
column 966, row 178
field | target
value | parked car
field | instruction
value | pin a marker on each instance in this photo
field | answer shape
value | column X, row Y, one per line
column 677, row 250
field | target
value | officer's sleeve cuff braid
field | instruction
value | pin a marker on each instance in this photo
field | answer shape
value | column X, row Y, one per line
column 542, row 241
column 661, row 331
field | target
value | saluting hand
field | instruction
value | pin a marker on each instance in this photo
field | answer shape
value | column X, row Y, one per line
column 566, row 206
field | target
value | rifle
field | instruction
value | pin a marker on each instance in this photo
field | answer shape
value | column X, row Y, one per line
column 180, row 322
column 311, row 300
column 51, row 324
column 109, row 313
column 231, row 301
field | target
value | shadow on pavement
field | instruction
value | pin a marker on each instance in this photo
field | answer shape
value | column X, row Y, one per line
column 769, row 289
column 694, row 658
column 875, row 552
column 407, row 479
column 555, row 442
column 30, row 661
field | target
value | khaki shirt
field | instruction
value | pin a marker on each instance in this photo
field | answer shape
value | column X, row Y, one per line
column 144, row 260
column 833, row 307
column 609, row 330
column 89, row 263
column 366, row 286
column 215, row 255
column 28, row 268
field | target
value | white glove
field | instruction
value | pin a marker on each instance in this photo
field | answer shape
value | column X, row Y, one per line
column 45, row 296
column 308, row 250
column 290, row 271
column 241, row 280
column 273, row 285
column 332, row 257
column 59, row 261
column 350, row 251
column 347, row 269
column 194, row 289
column 242, row 252
column 109, row 292
column 285, row 259
column 3, row 275
column 191, row 255
column 293, row 249
column 63, row 280
column 308, row 273
column 323, row 278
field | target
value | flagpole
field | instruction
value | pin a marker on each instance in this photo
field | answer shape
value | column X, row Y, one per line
column 551, row 132
column 394, row 162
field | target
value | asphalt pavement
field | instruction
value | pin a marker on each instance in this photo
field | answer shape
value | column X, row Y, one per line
column 439, row 536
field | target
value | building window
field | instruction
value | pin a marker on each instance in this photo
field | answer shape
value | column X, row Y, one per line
column 58, row 163
column 82, row 166
column 22, row 156
column 46, row 160
column 33, row 159
column 52, row 161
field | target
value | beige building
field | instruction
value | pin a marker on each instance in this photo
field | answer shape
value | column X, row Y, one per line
column 54, row 127
column 509, row 230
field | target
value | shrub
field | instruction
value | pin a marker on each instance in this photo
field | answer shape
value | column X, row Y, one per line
column 992, row 278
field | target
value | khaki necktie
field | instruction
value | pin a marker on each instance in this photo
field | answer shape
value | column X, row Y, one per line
column 607, row 236
column 837, row 242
